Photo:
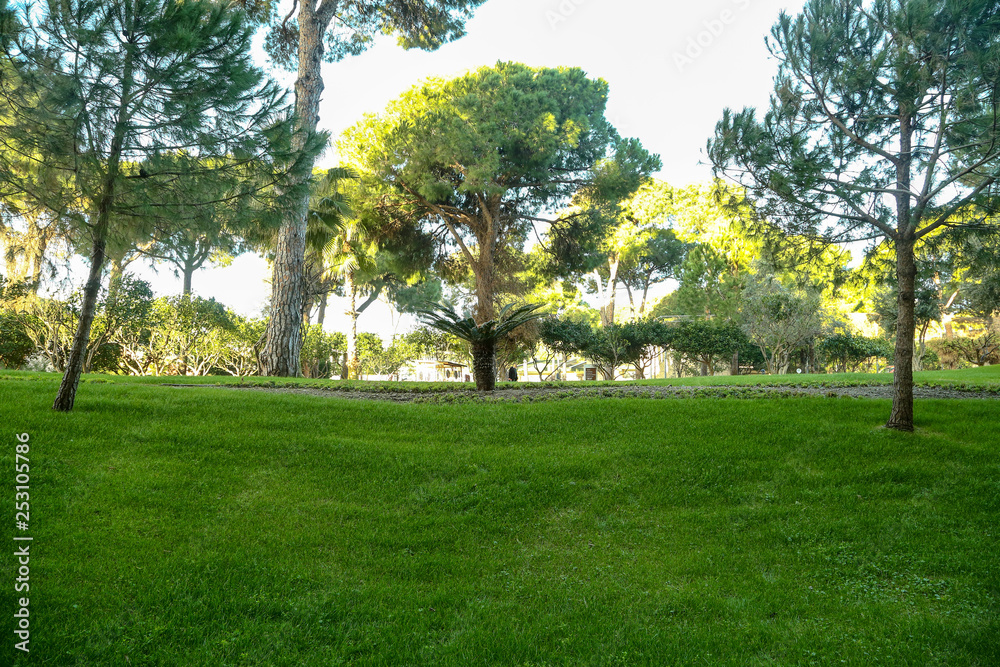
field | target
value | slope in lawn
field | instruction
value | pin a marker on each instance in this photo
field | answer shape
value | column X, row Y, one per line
column 213, row 527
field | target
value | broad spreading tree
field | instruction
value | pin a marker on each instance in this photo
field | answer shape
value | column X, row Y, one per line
column 480, row 159
column 720, row 249
column 214, row 230
column 779, row 320
column 314, row 31
column 115, row 105
column 626, row 250
column 884, row 126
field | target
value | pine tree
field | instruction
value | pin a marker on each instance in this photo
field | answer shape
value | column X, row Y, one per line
column 884, row 127
column 100, row 88
column 330, row 30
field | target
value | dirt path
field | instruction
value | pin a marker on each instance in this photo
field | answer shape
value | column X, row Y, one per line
column 528, row 394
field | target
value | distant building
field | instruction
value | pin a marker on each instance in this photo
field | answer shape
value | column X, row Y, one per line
column 435, row 370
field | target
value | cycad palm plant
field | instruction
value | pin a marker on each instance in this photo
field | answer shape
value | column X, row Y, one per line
column 482, row 337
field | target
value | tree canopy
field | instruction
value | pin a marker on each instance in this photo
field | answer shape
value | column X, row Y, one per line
column 311, row 31
column 113, row 108
column 883, row 126
column 479, row 159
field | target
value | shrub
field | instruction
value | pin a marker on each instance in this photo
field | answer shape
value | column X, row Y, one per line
column 848, row 351
column 15, row 344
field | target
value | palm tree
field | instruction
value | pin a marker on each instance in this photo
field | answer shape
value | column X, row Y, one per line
column 369, row 253
column 482, row 337
column 329, row 212
column 350, row 255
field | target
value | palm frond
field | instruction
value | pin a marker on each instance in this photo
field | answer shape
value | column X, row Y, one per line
column 509, row 318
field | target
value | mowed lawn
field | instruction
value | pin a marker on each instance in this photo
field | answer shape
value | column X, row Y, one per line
column 202, row 526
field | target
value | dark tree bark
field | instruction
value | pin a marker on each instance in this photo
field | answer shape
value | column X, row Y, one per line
column 74, row 365
column 280, row 356
column 901, row 417
column 484, row 366
column 321, row 315
column 188, row 273
column 485, row 290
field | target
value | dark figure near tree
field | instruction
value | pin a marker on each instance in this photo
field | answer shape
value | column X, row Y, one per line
column 512, row 374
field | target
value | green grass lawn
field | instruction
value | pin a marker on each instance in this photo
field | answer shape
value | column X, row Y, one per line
column 213, row 527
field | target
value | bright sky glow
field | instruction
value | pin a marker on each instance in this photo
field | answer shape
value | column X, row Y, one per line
column 672, row 67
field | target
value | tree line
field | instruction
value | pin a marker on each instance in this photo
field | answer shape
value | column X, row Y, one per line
column 141, row 129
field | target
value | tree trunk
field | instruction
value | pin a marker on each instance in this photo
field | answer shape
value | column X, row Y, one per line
column 74, row 365
column 115, row 273
column 608, row 314
column 484, row 367
column 485, row 285
column 38, row 259
column 187, row 273
column 353, row 361
column 602, row 298
column 280, row 356
column 768, row 361
column 901, row 417
column 918, row 358
column 66, row 396
column 734, row 364
column 321, row 315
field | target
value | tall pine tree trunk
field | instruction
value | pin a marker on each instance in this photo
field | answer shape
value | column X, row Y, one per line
column 188, row 273
column 116, row 271
column 608, row 301
column 40, row 242
column 901, row 417
column 77, row 356
column 283, row 346
column 66, row 395
column 484, row 361
column 485, row 274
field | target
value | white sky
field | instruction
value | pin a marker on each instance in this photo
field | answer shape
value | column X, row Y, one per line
column 672, row 67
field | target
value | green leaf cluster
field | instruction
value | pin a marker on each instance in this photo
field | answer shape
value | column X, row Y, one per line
column 847, row 350
column 509, row 318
